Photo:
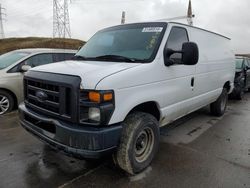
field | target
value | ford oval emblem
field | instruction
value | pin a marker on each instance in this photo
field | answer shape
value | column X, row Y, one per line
column 41, row 96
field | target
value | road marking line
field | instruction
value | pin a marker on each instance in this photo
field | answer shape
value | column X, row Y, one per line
column 79, row 177
column 2, row 160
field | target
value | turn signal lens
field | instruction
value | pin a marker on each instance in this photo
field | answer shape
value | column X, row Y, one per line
column 108, row 97
column 94, row 97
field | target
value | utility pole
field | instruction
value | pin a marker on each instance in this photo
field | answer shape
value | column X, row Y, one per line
column 123, row 17
column 61, row 23
column 1, row 22
column 190, row 14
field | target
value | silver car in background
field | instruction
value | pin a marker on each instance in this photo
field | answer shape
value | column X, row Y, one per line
column 14, row 64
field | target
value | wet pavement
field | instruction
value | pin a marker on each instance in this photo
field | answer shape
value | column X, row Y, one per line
column 198, row 150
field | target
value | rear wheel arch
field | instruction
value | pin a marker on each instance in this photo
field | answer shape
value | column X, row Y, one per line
column 227, row 85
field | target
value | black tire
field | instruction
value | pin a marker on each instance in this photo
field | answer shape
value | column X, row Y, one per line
column 218, row 107
column 139, row 142
column 10, row 102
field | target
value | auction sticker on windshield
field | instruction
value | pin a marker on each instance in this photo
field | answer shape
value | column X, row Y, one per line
column 152, row 29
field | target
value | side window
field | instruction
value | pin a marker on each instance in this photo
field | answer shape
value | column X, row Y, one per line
column 175, row 40
column 38, row 60
column 62, row 56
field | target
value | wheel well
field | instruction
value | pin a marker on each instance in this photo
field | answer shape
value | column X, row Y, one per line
column 227, row 86
column 13, row 95
column 148, row 107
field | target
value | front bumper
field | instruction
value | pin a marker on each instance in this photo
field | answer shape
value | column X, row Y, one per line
column 76, row 140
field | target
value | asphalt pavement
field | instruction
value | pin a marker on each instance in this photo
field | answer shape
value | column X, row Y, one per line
column 198, row 150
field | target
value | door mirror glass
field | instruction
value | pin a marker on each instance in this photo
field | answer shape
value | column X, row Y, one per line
column 25, row 68
column 190, row 53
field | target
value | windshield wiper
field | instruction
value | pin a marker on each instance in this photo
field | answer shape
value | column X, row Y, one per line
column 78, row 57
column 116, row 57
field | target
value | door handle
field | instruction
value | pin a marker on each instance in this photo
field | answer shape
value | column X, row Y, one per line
column 192, row 82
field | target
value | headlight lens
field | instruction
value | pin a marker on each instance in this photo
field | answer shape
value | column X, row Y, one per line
column 94, row 114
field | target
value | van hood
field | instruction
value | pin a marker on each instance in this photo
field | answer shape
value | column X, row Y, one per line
column 91, row 72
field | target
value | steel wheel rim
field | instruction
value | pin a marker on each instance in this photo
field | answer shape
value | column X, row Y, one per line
column 4, row 104
column 144, row 144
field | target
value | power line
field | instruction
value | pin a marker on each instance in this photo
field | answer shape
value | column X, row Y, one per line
column 61, row 23
column 1, row 22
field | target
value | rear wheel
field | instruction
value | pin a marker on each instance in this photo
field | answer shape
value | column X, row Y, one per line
column 6, row 102
column 218, row 107
column 139, row 142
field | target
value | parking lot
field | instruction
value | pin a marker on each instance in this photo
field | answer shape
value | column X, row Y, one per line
column 197, row 151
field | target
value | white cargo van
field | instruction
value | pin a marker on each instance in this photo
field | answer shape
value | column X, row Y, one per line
column 125, row 83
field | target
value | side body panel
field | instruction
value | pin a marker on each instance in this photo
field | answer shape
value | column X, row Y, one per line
column 216, row 66
column 14, row 83
column 170, row 87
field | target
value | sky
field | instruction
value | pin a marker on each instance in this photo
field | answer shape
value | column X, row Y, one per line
column 35, row 17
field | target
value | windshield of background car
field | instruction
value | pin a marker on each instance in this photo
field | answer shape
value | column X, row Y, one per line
column 139, row 42
column 238, row 63
column 10, row 58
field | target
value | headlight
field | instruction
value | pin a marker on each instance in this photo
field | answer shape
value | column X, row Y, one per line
column 96, row 107
column 94, row 114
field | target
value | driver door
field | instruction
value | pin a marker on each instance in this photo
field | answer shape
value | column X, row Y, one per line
column 179, row 77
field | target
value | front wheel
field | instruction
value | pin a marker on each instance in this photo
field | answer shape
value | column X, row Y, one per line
column 139, row 142
column 218, row 107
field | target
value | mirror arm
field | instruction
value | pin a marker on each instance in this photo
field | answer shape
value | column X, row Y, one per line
column 170, row 52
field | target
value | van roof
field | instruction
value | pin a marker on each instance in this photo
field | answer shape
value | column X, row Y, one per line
column 201, row 29
column 241, row 57
column 169, row 22
column 45, row 50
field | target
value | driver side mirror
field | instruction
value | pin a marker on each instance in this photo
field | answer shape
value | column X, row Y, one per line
column 190, row 54
column 25, row 68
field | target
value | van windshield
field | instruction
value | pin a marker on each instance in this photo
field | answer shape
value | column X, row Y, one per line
column 10, row 58
column 238, row 63
column 124, row 43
